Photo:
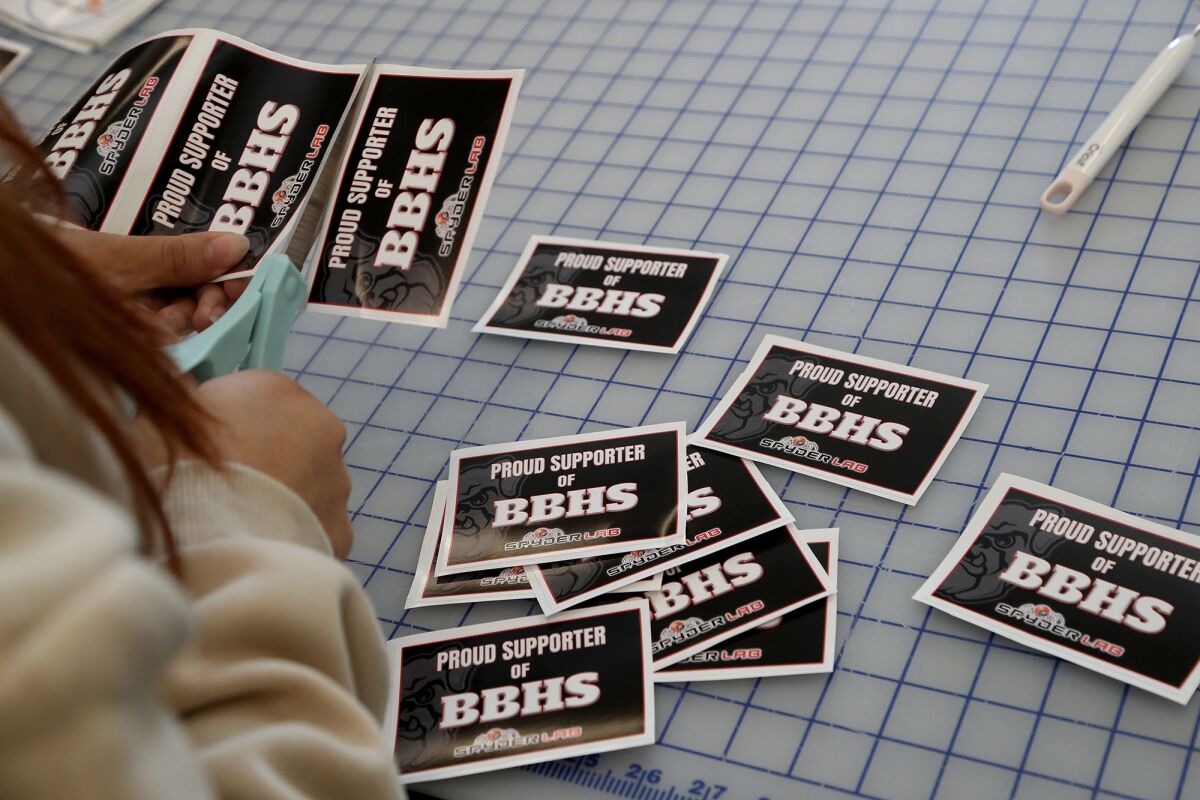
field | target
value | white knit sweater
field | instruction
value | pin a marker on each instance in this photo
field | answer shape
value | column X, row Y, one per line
column 260, row 675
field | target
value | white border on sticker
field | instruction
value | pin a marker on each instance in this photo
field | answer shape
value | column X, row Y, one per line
column 444, row 568
column 647, row 735
column 778, row 670
column 424, row 569
column 801, row 538
column 20, row 52
column 541, row 589
column 700, row 435
column 442, row 318
column 1180, row 694
column 485, row 322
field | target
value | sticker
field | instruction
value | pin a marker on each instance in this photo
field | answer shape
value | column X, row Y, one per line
column 728, row 502
column 511, row 583
column 798, row 643
column 411, row 192
column 522, row 691
column 856, row 421
column 11, row 55
column 1081, row 581
column 627, row 296
column 565, row 497
column 716, row 597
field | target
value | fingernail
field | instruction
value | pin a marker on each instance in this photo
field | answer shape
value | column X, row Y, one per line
column 217, row 314
column 226, row 249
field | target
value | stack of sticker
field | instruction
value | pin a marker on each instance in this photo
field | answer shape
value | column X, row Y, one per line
column 737, row 590
column 729, row 588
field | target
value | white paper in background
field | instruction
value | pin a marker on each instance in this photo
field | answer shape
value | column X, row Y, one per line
column 81, row 25
column 11, row 55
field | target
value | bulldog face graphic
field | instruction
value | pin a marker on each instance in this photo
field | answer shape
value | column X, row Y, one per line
column 744, row 421
column 417, row 290
column 421, row 708
column 521, row 306
column 976, row 578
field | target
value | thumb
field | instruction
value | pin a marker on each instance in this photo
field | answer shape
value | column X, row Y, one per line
column 170, row 262
column 145, row 263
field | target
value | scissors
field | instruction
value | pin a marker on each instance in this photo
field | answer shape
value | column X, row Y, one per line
column 252, row 334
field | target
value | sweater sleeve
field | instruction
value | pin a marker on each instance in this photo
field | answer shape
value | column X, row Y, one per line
column 86, row 630
column 284, row 684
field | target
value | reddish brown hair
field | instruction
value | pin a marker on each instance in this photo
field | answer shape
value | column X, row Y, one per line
column 108, row 347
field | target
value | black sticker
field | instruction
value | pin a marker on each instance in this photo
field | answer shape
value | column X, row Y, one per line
column 873, row 426
column 798, row 643
column 565, row 497
column 613, row 295
column 92, row 144
column 728, row 502
column 724, row 593
column 422, row 158
column 500, row 694
column 250, row 143
column 1071, row 577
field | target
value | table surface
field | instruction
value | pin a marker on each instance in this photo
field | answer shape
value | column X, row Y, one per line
column 872, row 169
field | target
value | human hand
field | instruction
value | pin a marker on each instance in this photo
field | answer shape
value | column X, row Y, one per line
column 168, row 275
column 268, row 422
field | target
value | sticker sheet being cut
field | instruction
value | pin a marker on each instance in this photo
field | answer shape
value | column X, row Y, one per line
column 410, row 194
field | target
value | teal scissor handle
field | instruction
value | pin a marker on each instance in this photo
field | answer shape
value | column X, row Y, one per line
column 252, row 334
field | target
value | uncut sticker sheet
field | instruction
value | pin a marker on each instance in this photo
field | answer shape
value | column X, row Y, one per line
column 408, row 200
column 714, row 598
column 1073, row 578
column 859, row 422
column 501, row 694
column 563, row 498
column 197, row 130
column 798, row 643
column 728, row 502
column 607, row 294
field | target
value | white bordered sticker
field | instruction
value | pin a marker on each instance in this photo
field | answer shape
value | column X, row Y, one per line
column 859, row 422
column 1071, row 577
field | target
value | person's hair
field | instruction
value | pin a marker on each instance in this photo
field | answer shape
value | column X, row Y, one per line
column 89, row 338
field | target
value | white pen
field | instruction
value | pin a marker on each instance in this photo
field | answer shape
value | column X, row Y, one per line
column 1078, row 173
